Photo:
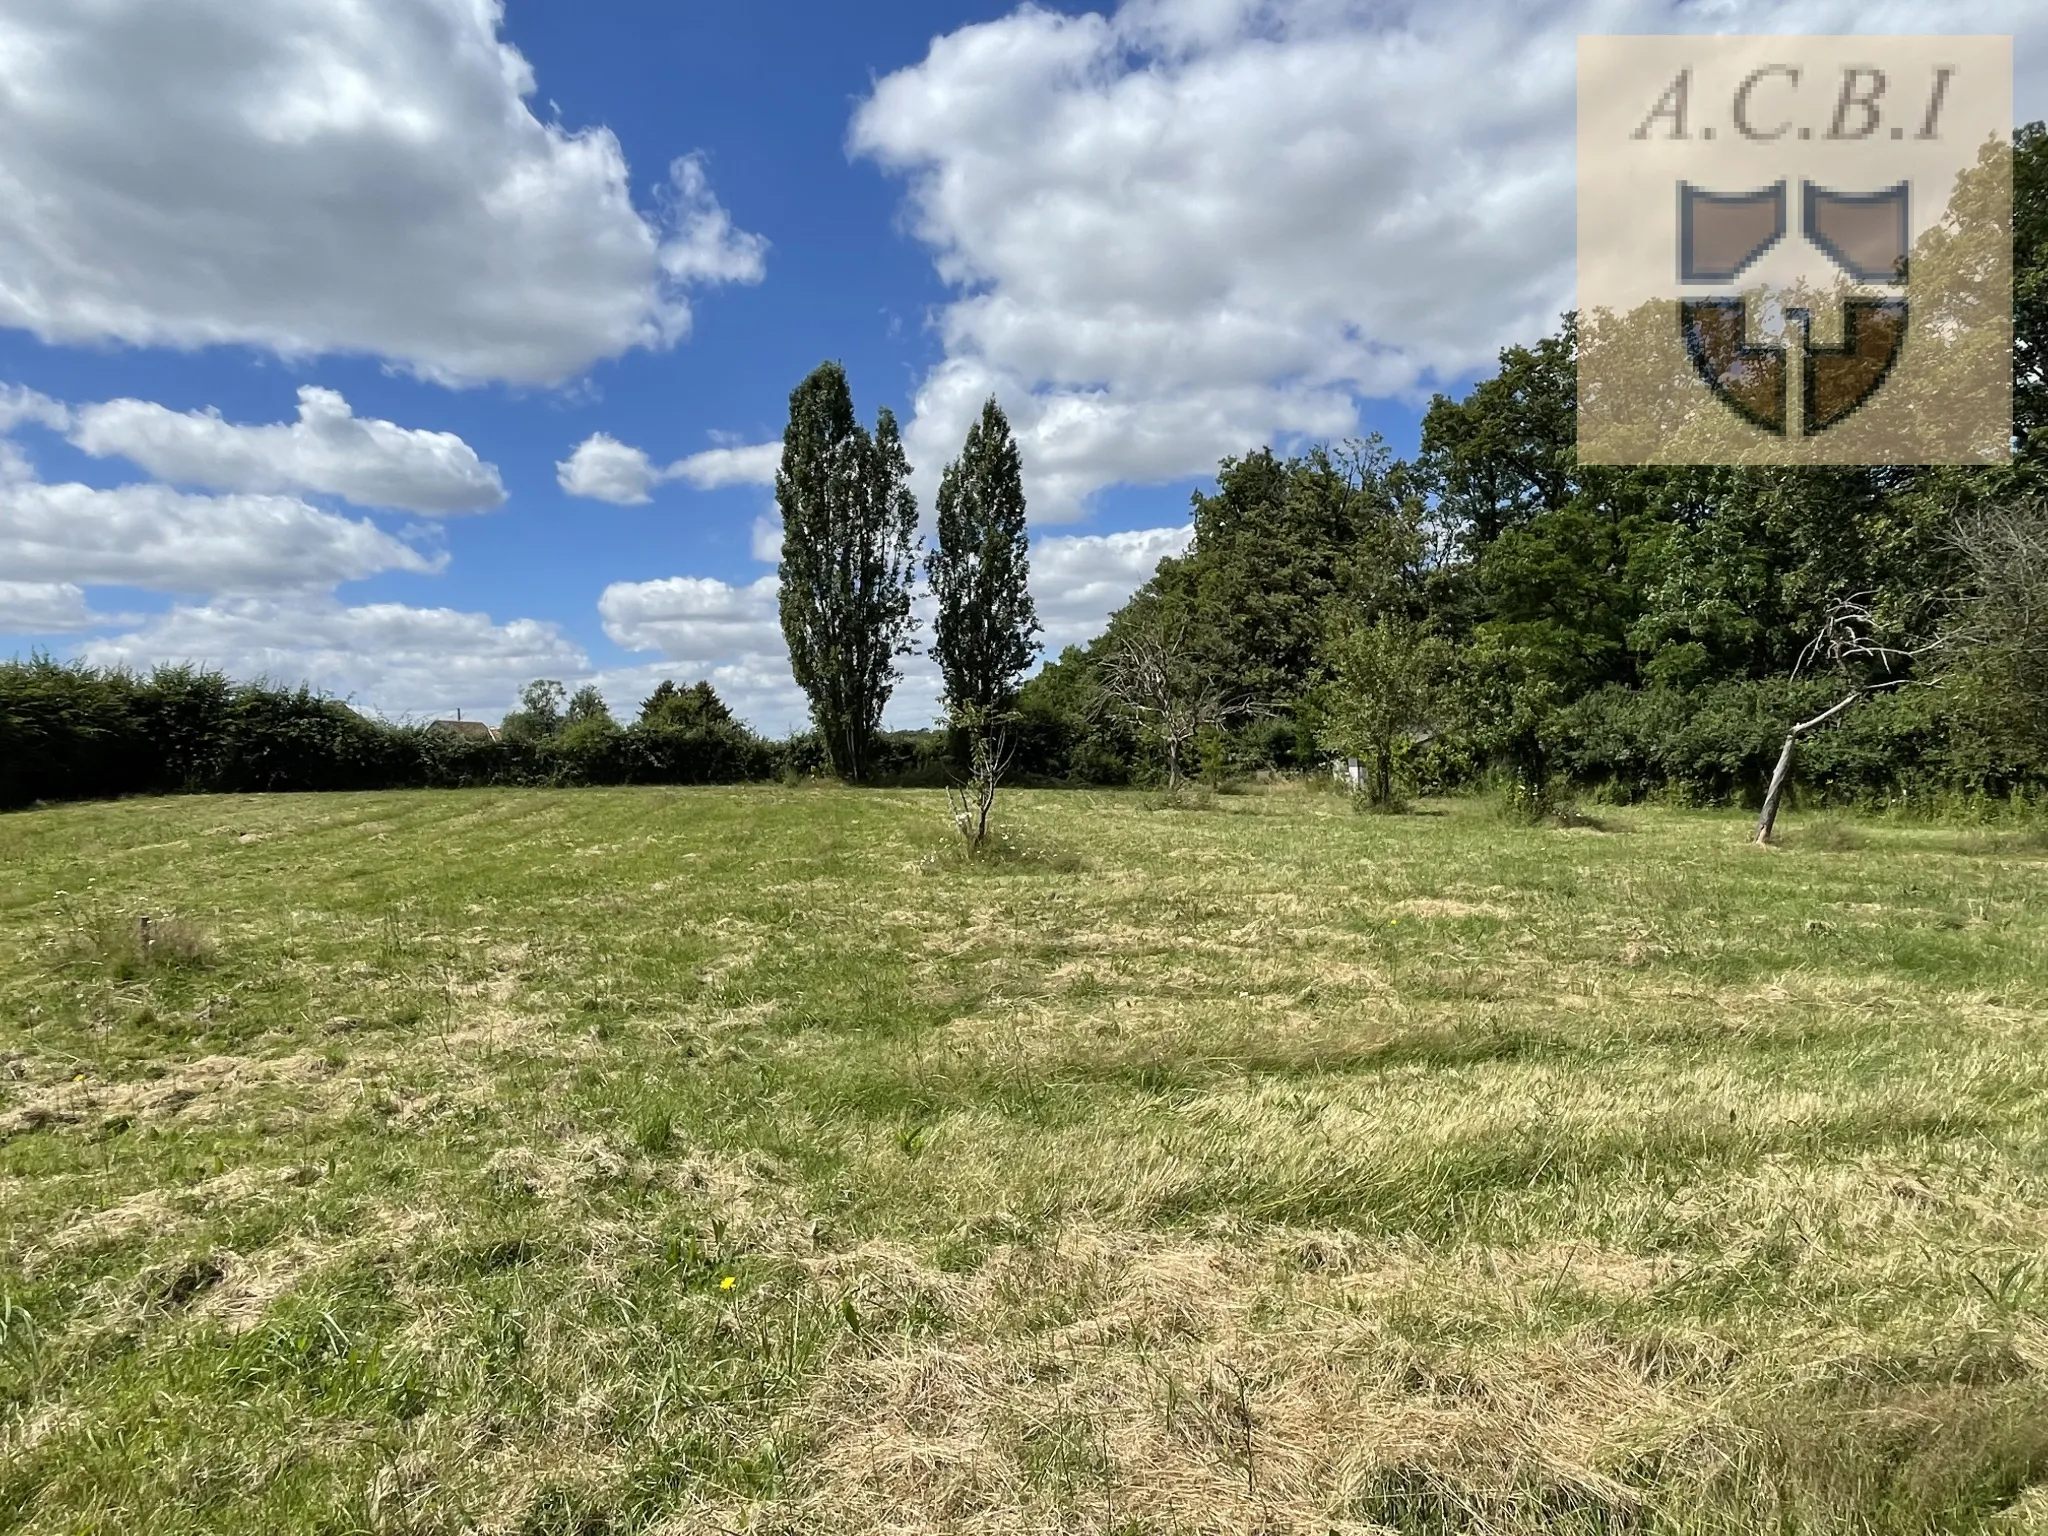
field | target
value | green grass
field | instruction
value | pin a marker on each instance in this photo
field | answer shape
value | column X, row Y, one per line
column 645, row 1160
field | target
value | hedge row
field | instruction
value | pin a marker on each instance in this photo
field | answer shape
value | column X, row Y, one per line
column 1717, row 745
column 71, row 732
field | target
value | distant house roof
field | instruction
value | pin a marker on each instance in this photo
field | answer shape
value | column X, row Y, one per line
column 469, row 730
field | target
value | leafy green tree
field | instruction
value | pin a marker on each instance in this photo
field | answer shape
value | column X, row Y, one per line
column 695, row 708
column 849, row 527
column 587, row 707
column 1560, row 590
column 585, row 749
column 1737, row 570
column 1507, row 451
column 1064, row 729
column 1966, row 493
column 1279, row 547
column 542, row 706
column 2030, row 288
column 1384, row 679
column 980, row 573
column 1279, row 544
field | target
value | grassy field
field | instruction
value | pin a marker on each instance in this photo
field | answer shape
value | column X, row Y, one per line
column 715, row 1160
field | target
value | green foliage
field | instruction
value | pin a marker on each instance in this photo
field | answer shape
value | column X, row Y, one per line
column 2030, row 291
column 1716, row 744
column 849, row 523
column 1504, row 455
column 70, row 732
column 540, row 712
column 1279, row 548
column 1385, row 678
column 693, row 708
column 982, row 633
column 587, row 707
column 1065, row 732
column 1279, row 544
column 2002, row 675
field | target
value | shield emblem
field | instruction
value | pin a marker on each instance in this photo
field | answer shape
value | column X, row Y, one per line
column 1863, row 233
column 1797, row 250
column 1720, row 234
column 1839, row 379
column 1749, row 378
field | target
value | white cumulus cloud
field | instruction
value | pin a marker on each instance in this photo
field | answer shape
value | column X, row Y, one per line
column 44, row 608
column 695, row 619
column 19, row 404
column 1180, row 230
column 604, row 469
column 390, row 657
column 255, row 571
column 157, row 538
column 1078, row 581
column 703, row 246
column 730, row 635
column 754, row 464
column 328, row 450
column 310, row 176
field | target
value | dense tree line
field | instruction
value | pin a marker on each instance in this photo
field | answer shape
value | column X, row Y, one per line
column 1496, row 607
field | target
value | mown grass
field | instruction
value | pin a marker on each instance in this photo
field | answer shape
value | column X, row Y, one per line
column 645, row 1160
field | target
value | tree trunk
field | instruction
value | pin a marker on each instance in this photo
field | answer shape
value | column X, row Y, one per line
column 1781, row 777
column 1767, row 819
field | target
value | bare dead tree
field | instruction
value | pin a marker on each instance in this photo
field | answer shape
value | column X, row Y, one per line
column 2001, row 626
column 1153, row 675
column 1846, row 645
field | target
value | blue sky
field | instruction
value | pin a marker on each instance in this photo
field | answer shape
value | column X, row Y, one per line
column 1159, row 234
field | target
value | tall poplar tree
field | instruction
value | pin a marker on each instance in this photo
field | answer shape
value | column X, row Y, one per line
column 849, row 525
column 980, row 574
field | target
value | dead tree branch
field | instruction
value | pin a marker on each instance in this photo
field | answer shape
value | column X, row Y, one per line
column 1846, row 645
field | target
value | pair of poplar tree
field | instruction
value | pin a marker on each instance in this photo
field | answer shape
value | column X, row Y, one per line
column 850, row 561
